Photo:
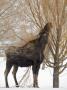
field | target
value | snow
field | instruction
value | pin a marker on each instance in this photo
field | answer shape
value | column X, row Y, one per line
column 44, row 79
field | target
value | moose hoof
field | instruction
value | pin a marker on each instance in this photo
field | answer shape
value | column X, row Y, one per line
column 7, row 86
column 35, row 86
column 17, row 86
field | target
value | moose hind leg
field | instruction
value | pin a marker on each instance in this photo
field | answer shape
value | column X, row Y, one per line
column 15, row 68
column 35, row 70
column 8, row 67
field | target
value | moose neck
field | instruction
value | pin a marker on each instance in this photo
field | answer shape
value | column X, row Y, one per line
column 43, row 41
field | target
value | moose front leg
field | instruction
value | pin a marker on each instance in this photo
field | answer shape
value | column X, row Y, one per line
column 35, row 80
column 14, row 74
column 35, row 70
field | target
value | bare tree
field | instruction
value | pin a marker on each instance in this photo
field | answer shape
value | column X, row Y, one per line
column 58, row 40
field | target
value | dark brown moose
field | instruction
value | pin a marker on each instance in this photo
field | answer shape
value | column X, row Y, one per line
column 31, row 54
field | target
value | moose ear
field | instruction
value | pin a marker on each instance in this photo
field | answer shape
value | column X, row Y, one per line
column 46, row 28
column 50, row 25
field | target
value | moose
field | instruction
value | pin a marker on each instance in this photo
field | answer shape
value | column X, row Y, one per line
column 31, row 54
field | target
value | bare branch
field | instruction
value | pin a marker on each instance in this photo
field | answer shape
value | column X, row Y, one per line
column 53, row 39
column 49, row 45
column 65, row 66
column 19, row 36
column 28, row 2
column 63, row 12
column 7, row 8
column 49, row 65
column 64, row 47
column 51, row 10
column 24, row 75
column 61, row 61
column 39, row 13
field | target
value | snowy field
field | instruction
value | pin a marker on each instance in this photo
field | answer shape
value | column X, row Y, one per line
column 44, row 79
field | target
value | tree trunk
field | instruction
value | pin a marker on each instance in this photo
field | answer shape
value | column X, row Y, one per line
column 56, row 76
column 56, row 61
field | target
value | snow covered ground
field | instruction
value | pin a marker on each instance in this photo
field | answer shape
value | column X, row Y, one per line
column 44, row 79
